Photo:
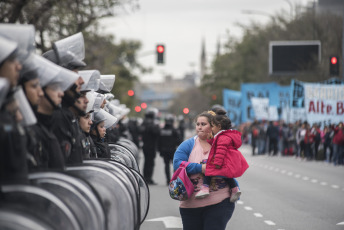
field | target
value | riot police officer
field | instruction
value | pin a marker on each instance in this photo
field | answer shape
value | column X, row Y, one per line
column 168, row 141
column 149, row 131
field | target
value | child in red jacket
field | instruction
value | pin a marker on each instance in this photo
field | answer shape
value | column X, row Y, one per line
column 225, row 160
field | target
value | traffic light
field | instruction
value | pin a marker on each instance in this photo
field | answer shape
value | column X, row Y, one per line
column 334, row 65
column 160, row 50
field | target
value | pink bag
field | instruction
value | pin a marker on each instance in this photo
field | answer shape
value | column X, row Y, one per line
column 181, row 187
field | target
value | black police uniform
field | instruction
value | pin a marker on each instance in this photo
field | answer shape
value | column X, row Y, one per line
column 168, row 141
column 67, row 130
column 102, row 147
column 150, row 133
column 13, row 164
column 47, row 152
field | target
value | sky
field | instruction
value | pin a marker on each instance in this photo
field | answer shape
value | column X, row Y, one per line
column 182, row 25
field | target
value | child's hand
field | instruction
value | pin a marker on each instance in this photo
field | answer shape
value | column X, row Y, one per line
column 203, row 168
column 217, row 166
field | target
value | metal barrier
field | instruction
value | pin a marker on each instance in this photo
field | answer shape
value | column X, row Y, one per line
column 99, row 194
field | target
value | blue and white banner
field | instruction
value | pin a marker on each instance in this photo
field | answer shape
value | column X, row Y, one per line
column 260, row 107
column 279, row 97
column 232, row 104
column 297, row 95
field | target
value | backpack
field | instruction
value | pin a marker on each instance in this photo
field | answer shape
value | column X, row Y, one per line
column 181, row 187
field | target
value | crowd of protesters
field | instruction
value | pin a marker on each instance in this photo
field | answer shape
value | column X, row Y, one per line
column 299, row 139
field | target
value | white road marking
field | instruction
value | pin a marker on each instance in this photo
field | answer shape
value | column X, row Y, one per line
column 305, row 178
column 335, row 186
column 323, row 183
column 269, row 222
column 341, row 223
column 239, row 202
column 257, row 214
column 248, row 208
column 314, row 180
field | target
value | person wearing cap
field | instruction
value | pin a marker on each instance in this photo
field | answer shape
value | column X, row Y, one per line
column 168, row 141
column 54, row 80
column 149, row 131
column 65, row 53
column 90, row 150
column 91, row 79
column 13, row 166
column 9, row 65
column 98, row 132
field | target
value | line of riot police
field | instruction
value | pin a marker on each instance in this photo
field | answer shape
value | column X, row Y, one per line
column 58, row 168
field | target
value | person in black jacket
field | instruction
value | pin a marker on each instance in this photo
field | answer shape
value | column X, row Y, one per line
column 149, row 131
column 272, row 133
column 168, row 141
column 98, row 132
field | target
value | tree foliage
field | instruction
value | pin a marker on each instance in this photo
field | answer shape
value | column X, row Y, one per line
column 247, row 60
column 57, row 19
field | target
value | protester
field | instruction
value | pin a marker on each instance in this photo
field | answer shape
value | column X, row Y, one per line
column 338, row 144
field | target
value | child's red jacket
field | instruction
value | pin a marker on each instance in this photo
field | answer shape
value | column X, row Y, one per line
column 224, row 152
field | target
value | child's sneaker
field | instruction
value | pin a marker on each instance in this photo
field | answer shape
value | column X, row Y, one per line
column 204, row 192
column 235, row 194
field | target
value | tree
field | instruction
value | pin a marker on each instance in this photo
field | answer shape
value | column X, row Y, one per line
column 247, row 60
column 55, row 19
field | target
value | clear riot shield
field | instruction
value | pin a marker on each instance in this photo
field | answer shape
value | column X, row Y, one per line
column 39, row 203
column 129, row 145
column 144, row 190
column 7, row 47
column 25, row 109
column 129, row 182
column 91, row 79
column 108, row 119
column 106, row 83
column 76, row 194
column 118, row 151
column 112, row 193
column 23, row 35
column 18, row 220
column 66, row 78
column 4, row 88
column 70, row 50
column 46, row 70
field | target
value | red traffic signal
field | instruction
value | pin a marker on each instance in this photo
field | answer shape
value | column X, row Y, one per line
column 160, row 50
column 334, row 60
column 186, row 110
column 334, row 65
column 131, row 92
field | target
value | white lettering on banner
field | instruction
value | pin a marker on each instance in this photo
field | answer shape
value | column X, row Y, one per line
column 333, row 92
column 324, row 103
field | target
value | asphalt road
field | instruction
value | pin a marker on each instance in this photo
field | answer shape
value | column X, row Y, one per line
column 279, row 193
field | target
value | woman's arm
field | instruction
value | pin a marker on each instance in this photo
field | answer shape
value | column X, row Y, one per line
column 182, row 154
